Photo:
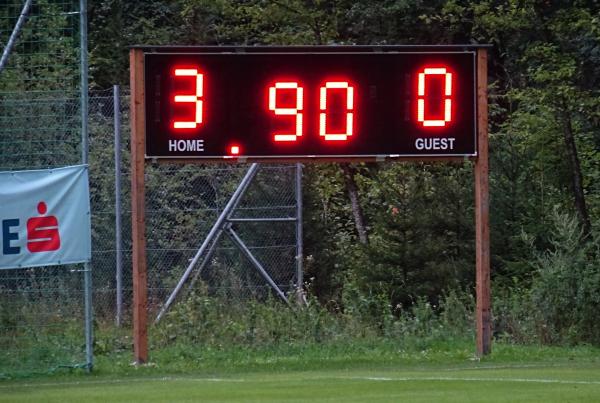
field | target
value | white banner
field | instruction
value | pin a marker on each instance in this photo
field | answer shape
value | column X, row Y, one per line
column 44, row 217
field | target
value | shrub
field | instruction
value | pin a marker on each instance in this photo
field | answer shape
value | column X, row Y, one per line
column 561, row 304
column 214, row 322
column 566, row 290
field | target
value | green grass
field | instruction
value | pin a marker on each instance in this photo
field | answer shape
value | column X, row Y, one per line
column 576, row 383
column 374, row 371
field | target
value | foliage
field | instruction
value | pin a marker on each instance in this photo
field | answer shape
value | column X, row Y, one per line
column 57, row 338
column 567, row 290
column 209, row 321
column 544, row 92
column 412, row 283
column 560, row 305
column 45, row 57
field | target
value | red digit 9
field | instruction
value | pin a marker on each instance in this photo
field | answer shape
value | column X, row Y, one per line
column 288, row 111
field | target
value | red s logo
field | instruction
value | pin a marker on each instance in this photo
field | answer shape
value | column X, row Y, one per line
column 42, row 232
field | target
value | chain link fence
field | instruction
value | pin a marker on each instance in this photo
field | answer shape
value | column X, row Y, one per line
column 182, row 204
column 41, row 305
column 41, row 309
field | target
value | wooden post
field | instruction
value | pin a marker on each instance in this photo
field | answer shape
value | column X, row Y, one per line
column 482, row 219
column 138, row 216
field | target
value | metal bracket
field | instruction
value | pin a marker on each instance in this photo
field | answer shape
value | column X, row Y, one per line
column 215, row 230
column 240, row 244
column 224, row 224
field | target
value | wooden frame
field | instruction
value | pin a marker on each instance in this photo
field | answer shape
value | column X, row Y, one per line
column 482, row 220
column 482, row 232
column 138, row 213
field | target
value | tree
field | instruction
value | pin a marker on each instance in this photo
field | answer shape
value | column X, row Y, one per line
column 544, row 130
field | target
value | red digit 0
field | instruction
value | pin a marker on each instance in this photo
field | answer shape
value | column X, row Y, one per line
column 193, row 98
column 331, row 85
column 296, row 111
column 447, row 100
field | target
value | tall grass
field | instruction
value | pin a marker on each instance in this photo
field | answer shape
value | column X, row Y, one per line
column 210, row 320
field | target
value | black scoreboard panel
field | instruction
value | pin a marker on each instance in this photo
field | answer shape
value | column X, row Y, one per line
column 309, row 104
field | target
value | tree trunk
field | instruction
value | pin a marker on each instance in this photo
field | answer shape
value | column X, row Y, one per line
column 576, row 176
column 357, row 213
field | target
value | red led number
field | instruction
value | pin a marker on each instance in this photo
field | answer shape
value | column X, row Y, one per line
column 323, row 130
column 422, row 115
column 193, row 98
column 294, row 111
column 297, row 110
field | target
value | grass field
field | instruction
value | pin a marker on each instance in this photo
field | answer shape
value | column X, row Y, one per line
column 330, row 374
column 485, row 384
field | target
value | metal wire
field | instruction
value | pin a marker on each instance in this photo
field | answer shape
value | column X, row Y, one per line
column 182, row 204
column 41, row 309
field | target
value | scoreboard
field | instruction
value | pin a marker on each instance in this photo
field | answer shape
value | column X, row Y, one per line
column 309, row 103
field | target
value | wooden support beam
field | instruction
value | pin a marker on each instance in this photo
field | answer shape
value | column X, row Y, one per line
column 138, row 216
column 482, row 221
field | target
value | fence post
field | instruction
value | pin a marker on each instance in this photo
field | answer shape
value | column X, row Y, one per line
column 118, row 228
column 299, row 243
column 87, row 269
